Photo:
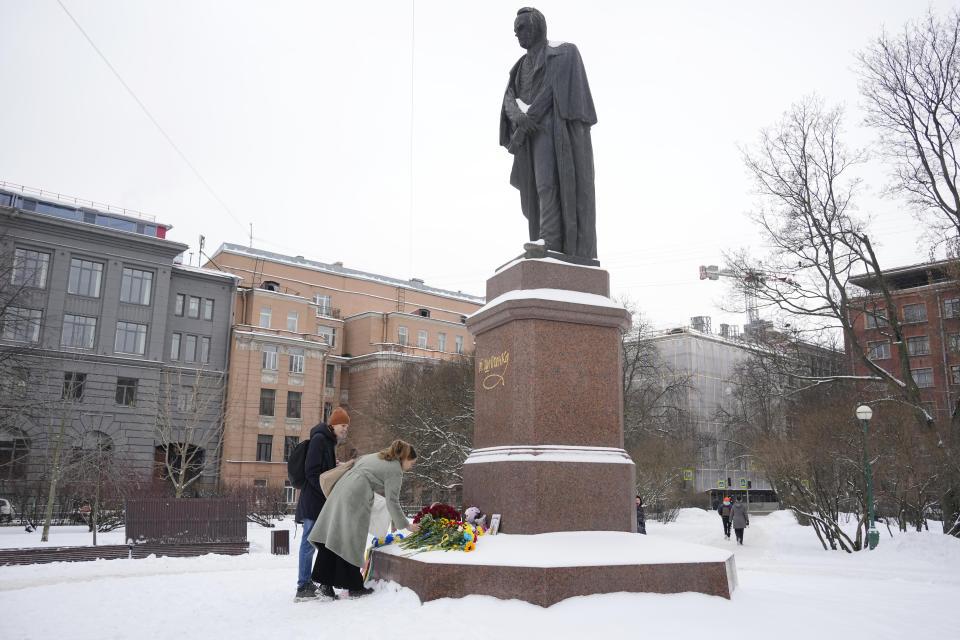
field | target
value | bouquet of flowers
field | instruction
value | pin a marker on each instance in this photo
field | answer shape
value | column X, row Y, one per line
column 437, row 511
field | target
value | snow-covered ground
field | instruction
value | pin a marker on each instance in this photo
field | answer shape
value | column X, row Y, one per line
column 788, row 588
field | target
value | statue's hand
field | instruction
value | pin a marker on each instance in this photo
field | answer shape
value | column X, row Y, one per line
column 527, row 125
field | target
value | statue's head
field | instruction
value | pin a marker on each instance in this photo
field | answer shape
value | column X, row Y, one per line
column 530, row 27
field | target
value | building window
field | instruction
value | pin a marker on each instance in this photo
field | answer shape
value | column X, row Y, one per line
column 22, row 325
column 78, row 331
column 292, row 317
column 131, row 338
column 323, row 304
column 876, row 318
column 259, row 482
column 954, row 340
column 269, row 357
column 85, row 276
column 423, row 313
column 879, row 350
column 126, row 391
column 289, row 493
column 208, row 309
column 293, row 404
column 186, row 398
column 296, row 360
column 268, row 398
column 402, row 335
column 331, row 374
column 175, row 346
column 442, row 342
column 193, row 307
column 422, row 338
column 135, row 286
column 955, row 374
column 951, row 308
column 289, row 444
column 918, row 346
column 204, row 349
column 923, row 377
column 459, row 344
column 265, row 317
column 329, row 334
column 264, row 450
column 30, row 268
column 190, row 348
column 914, row 313
column 327, row 410
column 14, row 449
column 180, row 303
column 73, row 385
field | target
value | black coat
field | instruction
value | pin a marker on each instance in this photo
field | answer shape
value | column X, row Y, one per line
column 321, row 456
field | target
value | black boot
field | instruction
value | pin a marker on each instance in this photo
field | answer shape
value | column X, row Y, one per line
column 327, row 591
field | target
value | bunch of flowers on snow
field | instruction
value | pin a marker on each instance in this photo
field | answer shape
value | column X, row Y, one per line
column 440, row 532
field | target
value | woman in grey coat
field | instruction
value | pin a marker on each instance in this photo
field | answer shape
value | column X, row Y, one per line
column 739, row 518
column 340, row 533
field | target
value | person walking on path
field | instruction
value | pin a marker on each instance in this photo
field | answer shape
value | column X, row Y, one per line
column 321, row 456
column 641, row 519
column 739, row 518
column 340, row 533
column 724, row 511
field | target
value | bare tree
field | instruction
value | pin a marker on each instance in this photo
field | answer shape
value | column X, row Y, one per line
column 909, row 81
column 432, row 405
column 189, row 427
column 803, row 171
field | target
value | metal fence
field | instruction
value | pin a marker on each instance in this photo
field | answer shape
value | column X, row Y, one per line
column 168, row 520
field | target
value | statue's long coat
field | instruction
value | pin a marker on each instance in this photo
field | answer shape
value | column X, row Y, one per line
column 565, row 91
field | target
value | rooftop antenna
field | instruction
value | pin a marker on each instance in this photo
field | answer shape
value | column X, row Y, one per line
column 251, row 235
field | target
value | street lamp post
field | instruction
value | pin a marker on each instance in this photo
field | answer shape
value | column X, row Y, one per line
column 864, row 413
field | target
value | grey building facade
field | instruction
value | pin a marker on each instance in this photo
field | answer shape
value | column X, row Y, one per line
column 106, row 337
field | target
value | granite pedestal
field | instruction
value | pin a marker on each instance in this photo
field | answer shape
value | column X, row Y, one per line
column 548, row 451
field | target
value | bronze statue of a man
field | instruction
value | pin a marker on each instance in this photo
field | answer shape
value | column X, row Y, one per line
column 545, row 123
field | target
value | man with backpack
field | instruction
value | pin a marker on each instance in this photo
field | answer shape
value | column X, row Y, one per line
column 320, row 456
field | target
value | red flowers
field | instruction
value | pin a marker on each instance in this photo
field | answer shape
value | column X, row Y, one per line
column 438, row 511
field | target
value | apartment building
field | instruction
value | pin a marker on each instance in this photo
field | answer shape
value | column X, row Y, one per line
column 927, row 300
column 309, row 336
column 710, row 361
column 100, row 327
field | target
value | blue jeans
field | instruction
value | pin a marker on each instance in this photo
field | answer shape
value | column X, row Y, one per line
column 306, row 555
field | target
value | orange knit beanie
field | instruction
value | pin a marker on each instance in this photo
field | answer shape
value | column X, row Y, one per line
column 339, row 416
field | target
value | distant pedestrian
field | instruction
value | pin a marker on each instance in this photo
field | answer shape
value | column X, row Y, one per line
column 641, row 519
column 739, row 518
column 724, row 511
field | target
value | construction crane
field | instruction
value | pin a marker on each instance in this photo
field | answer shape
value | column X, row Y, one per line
column 752, row 279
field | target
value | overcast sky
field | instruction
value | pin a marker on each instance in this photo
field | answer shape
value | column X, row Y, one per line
column 368, row 132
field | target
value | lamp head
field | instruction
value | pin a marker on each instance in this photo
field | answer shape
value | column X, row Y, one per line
column 864, row 412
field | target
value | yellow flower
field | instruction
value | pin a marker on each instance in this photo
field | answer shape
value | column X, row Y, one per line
column 469, row 546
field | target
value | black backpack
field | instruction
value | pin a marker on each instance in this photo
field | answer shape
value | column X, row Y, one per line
column 296, row 463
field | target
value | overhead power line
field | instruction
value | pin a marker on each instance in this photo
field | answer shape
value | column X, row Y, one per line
column 149, row 115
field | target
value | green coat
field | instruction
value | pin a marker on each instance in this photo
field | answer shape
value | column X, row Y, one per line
column 345, row 518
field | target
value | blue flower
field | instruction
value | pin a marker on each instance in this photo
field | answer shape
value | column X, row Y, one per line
column 388, row 539
column 376, row 542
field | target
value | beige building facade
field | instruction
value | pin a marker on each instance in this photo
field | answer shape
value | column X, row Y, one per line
column 309, row 336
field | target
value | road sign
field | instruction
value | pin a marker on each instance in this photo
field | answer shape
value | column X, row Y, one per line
column 743, row 483
column 721, row 484
column 688, row 474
